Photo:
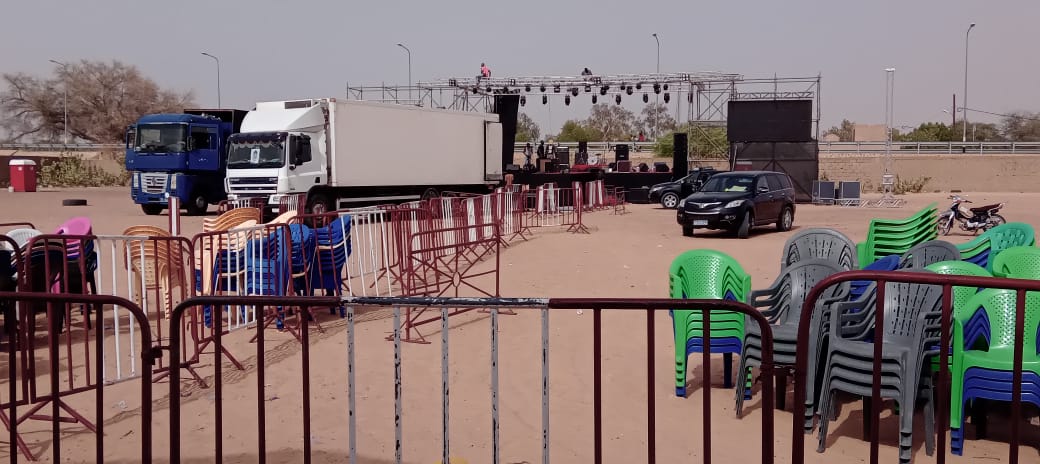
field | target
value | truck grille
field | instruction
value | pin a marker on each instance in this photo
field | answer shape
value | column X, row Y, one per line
column 253, row 186
column 153, row 183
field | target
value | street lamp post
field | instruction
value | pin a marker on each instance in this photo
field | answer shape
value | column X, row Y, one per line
column 65, row 104
column 967, row 35
column 657, row 107
column 409, row 69
column 218, row 76
column 890, row 90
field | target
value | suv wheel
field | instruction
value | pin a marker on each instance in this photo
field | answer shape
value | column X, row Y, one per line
column 687, row 231
column 786, row 220
column 744, row 229
column 670, row 200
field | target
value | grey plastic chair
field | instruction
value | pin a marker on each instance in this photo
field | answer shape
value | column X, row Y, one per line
column 820, row 243
column 783, row 306
column 912, row 321
column 924, row 254
column 22, row 236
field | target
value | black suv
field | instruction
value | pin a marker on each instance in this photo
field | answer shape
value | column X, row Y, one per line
column 738, row 201
column 669, row 193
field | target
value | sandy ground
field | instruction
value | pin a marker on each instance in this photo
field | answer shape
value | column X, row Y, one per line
column 624, row 256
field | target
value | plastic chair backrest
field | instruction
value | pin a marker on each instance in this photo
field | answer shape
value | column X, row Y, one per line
column 1020, row 262
column 961, row 295
column 708, row 274
column 22, row 236
column 906, row 304
column 932, row 251
column 146, row 231
column 1006, row 236
column 999, row 306
column 75, row 226
column 796, row 282
column 820, row 243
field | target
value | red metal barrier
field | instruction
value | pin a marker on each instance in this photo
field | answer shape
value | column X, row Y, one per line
column 57, row 390
column 943, row 398
column 598, row 306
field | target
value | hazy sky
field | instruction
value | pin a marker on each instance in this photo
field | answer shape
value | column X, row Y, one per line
column 273, row 50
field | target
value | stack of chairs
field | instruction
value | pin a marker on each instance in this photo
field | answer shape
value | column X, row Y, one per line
column 706, row 274
column 896, row 236
column 160, row 265
column 983, row 345
column 332, row 247
column 985, row 247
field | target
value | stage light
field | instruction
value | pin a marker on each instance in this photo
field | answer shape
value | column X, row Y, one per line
column 667, row 97
column 476, row 89
column 574, row 91
column 603, row 90
column 556, row 89
column 545, row 99
column 588, row 88
column 617, row 99
column 689, row 97
column 646, row 98
column 543, row 88
column 527, row 88
column 666, row 86
column 657, row 88
column 629, row 90
column 639, row 85
column 489, row 89
column 505, row 89
column 567, row 100
column 523, row 100
column 593, row 99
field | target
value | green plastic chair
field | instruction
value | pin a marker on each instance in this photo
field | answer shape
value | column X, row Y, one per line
column 961, row 295
column 896, row 236
column 984, row 249
column 706, row 274
column 1020, row 262
column 986, row 373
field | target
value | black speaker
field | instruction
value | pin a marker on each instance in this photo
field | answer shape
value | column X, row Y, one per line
column 621, row 152
column 563, row 155
column 507, row 107
column 680, row 166
column 583, row 147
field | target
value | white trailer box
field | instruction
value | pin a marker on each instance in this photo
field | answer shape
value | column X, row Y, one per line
column 378, row 144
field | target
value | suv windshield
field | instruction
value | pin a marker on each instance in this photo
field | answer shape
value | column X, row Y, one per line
column 162, row 138
column 256, row 152
column 729, row 184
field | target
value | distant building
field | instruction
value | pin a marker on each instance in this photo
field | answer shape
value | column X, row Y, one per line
column 869, row 133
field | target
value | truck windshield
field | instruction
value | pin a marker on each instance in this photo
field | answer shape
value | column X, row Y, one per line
column 256, row 153
column 162, row 138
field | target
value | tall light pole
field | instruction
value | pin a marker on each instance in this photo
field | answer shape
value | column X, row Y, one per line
column 65, row 105
column 887, row 181
column 218, row 76
column 657, row 108
column 409, row 70
column 967, row 35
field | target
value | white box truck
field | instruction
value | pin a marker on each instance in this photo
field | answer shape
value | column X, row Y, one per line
column 348, row 153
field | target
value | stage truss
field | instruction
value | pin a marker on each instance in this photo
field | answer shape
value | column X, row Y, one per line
column 706, row 94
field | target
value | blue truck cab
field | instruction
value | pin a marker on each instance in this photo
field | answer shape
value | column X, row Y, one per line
column 180, row 155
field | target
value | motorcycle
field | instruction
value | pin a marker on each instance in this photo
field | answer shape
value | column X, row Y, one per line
column 982, row 218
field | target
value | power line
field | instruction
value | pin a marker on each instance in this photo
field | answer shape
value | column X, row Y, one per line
column 1013, row 116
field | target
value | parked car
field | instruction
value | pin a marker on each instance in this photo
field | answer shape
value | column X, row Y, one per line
column 670, row 193
column 739, row 201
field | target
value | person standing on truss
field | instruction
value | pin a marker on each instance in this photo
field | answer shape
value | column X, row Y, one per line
column 485, row 71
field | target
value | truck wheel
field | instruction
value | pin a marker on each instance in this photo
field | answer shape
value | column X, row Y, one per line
column 152, row 210
column 197, row 206
column 687, row 231
column 319, row 204
column 430, row 193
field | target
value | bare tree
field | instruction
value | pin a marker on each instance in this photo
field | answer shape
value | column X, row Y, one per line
column 103, row 99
